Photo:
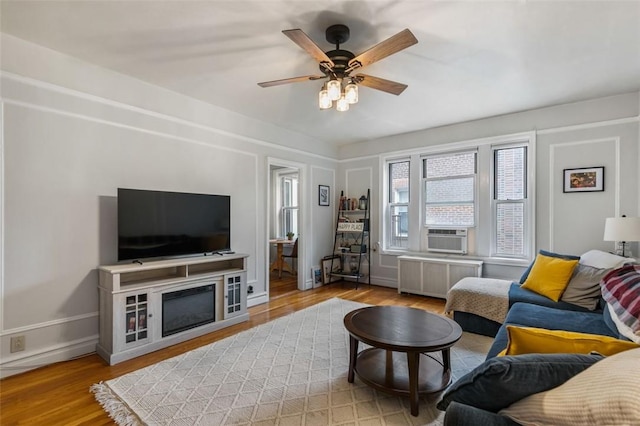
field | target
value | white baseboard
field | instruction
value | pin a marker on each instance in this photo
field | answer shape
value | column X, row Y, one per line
column 308, row 284
column 257, row 299
column 36, row 359
column 384, row 282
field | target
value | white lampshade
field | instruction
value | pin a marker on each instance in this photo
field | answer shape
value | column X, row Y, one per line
column 342, row 104
column 622, row 229
column 324, row 101
column 334, row 88
column 351, row 93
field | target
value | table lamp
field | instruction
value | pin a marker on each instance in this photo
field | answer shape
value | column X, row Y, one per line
column 623, row 229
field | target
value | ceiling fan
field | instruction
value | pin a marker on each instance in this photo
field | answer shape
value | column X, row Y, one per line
column 337, row 66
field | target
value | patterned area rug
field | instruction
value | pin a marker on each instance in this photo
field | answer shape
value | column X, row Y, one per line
column 290, row 371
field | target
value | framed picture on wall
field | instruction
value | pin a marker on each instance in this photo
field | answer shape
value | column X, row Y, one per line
column 323, row 195
column 585, row 179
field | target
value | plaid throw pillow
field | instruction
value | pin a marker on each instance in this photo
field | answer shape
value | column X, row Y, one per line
column 621, row 290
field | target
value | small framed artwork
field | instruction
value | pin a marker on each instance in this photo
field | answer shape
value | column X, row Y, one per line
column 586, row 179
column 326, row 268
column 323, row 195
column 316, row 274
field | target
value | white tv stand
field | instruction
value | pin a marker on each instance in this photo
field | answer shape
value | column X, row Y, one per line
column 131, row 301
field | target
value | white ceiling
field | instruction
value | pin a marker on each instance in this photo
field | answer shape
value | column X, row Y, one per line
column 474, row 59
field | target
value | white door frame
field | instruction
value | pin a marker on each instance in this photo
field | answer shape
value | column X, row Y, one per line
column 302, row 217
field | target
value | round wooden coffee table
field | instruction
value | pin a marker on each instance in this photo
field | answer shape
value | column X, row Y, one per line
column 393, row 331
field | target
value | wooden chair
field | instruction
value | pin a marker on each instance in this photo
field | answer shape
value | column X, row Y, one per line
column 293, row 255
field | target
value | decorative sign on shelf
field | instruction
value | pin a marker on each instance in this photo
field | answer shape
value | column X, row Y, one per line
column 350, row 226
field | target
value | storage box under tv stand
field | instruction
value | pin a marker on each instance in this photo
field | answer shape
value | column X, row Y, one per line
column 134, row 297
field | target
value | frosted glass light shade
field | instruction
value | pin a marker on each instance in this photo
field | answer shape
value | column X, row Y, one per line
column 351, row 93
column 342, row 104
column 622, row 229
column 324, row 102
column 334, row 88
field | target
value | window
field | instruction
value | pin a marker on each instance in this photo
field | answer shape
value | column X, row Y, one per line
column 449, row 189
column 398, row 220
column 509, row 198
column 484, row 186
column 288, row 217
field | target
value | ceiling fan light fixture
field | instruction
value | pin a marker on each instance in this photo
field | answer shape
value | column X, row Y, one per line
column 336, row 66
column 351, row 92
column 342, row 105
column 334, row 88
column 324, row 101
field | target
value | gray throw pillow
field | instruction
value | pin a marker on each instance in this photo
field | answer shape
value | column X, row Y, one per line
column 584, row 287
column 501, row 381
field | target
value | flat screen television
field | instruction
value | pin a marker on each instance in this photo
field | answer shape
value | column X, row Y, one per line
column 154, row 224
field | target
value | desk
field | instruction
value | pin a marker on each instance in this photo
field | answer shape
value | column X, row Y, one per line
column 279, row 264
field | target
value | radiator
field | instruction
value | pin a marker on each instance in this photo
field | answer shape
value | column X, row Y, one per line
column 433, row 276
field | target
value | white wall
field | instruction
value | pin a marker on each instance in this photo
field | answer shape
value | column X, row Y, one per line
column 72, row 133
column 600, row 132
column 321, row 237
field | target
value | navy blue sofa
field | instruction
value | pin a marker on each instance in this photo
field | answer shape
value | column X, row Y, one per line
column 479, row 325
column 530, row 310
column 532, row 315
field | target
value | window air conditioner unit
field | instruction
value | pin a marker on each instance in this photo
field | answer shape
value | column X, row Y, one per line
column 447, row 240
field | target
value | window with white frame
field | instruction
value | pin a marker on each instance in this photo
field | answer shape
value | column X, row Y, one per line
column 449, row 189
column 398, row 203
column 288, row 214
column 481, row 185
column 509, row 201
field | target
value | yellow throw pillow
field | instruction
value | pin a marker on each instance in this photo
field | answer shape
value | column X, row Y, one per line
column 526, row 340
column 549, row 276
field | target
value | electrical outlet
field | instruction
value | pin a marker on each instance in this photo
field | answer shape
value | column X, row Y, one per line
column 17, row 344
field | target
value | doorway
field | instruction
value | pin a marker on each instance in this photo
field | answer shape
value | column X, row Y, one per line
column 285, row 228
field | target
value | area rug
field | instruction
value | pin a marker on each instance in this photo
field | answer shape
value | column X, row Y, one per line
column 290, row 371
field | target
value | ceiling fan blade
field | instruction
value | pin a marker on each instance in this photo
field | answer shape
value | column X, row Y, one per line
column 301, row 39
column 290, row 80
column 380, row 84
column 393, row 44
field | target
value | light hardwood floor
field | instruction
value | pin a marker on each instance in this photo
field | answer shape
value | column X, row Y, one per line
column 279, row 286
column 59, row 394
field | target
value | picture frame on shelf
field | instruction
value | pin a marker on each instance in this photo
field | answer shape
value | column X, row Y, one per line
column 584, row 179
column 324, row 193
column 326, row 268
